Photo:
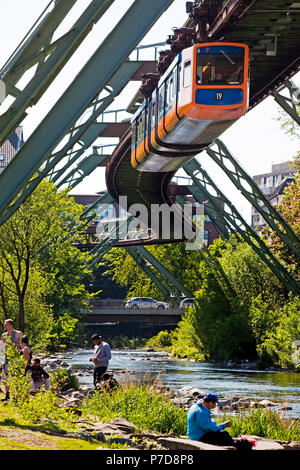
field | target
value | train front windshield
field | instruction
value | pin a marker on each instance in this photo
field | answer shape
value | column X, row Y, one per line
column 220, row 65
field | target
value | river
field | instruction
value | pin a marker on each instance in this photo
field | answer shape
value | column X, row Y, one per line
column 141, row 365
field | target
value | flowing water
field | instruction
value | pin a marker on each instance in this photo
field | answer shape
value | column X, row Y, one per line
column 282, row 387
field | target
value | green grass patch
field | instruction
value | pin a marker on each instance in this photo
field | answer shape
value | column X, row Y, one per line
column 140, row 404
column 266, row 423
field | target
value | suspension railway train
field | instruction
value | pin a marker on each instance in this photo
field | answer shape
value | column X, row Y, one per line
column 203, row 92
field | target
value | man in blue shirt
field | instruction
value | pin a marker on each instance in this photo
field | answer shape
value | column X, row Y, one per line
column 200, row 426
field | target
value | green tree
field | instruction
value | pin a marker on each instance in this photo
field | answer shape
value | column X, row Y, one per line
column 289, row 207
column 182, row 263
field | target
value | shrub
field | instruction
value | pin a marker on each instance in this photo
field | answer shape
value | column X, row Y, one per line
column 161, row 340
column 62, row 380
column 32, row 407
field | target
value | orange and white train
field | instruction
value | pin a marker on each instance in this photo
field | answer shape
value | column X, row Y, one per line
column 203, row 92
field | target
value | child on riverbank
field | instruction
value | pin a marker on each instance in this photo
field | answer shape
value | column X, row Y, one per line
column 39, row 376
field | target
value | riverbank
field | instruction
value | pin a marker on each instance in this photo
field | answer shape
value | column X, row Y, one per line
column 140, row 366
column 146, row 416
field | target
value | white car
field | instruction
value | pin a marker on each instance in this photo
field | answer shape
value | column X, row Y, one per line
column 187, row 302
column 145, row 302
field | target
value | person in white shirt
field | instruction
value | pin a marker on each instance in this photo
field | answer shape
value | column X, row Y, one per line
column 101, row 357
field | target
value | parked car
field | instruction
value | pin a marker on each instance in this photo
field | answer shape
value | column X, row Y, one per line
column 187, row 302
column 145, row 302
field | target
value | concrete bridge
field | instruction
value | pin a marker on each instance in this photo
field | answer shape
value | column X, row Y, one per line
column 140, row 315
column 111, row 318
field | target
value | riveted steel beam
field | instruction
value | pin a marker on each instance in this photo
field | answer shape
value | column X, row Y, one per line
column 104, row 63
column 244, row 183
column 35, row 49
column 84, row 134
column 289, row 103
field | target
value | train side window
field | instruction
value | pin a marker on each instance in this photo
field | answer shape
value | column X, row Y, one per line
column 187, row 74
column 161, row 101
column 133, row 135
column 153, row 111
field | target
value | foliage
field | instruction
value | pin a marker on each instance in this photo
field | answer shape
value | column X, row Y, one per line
column 182, row 263
column 140, row 404
column 162, row 340
column 66, row 332
column 289, row 208
column 33, row 407
column 276, row 331
column 62, row 380
column 40, row 271
column 19, row 384
column 185, row 341
column 264, row 423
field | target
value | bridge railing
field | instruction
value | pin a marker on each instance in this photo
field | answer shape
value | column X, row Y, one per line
column 121, row 303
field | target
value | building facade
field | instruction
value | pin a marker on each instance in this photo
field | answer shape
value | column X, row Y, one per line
column 9, row 149
column 272, row 185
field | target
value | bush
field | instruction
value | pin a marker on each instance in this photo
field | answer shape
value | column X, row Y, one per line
column 62, row 380
column 32, row 407
column 162, row 340
column 275, row 331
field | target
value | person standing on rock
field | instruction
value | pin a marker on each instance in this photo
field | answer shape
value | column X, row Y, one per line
column 101, row 357
column 200, row 426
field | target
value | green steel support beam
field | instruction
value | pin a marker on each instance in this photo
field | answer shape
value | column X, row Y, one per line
column 245, row 184
column 105, row 62
column 148, row 271
column 84, row 134
column 83, row 169
column 234, row 219
column 86, row 218
column 289, row 103
column 157, row 265
column 210, row 260
column 113, row 236
column 35, row 49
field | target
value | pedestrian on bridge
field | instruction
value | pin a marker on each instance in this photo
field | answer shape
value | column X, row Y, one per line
column 101, row 357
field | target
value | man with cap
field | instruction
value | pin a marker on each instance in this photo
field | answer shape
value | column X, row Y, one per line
column 200, row 426
column 101, row 357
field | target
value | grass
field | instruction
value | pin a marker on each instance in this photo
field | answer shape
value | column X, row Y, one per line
column 140, row 404
column 149, row 410
column 265, row 423
column 144, row 406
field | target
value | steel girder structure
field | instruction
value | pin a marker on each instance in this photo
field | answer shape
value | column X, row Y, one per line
column 139, row 254
column 236, row 223
column 162, row 270
column 211, row 261
column 245, row 184
column 36, row 48
column 144, row 265
column 85, row 88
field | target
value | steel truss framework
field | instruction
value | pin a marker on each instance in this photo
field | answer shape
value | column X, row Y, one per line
column 83, row 92
column 235, row 222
